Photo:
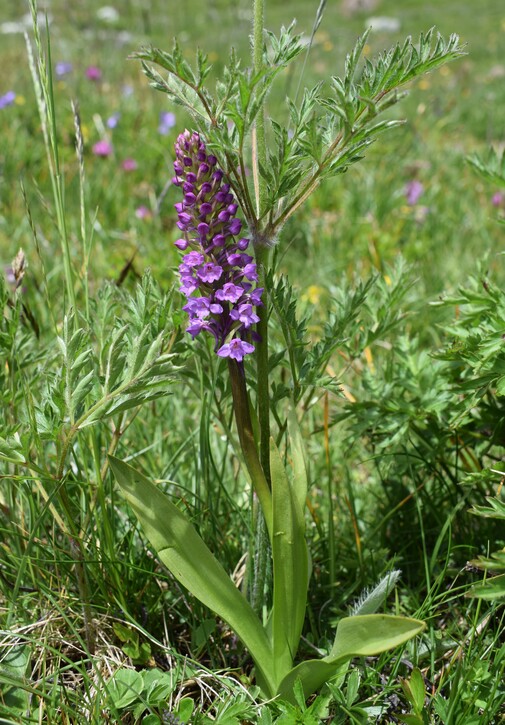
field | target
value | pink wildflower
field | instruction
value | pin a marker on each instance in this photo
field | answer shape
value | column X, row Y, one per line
column 498, row 198
column 142, row 212
column 102, row 148
column 129, row 165
column 93, row 73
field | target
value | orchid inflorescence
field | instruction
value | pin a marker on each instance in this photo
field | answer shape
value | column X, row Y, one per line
column 216, row 265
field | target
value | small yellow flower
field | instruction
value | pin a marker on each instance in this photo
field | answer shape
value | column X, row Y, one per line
column 313, row 294
column 424, row 84
column 20, row 100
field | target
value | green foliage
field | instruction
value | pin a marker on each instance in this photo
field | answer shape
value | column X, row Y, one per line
column 299, row 711
column 122, row 360
column 138, row 652
column 494, row 586
column 415, row 692
column 327, row 134
column 355, row 636
column 290, row 564
column 138, row 691
column 273, row 648
column 361, row 312
column 407, row 459
column 490, row 167
column 477, row 338
column 191, row 562
column 15, row 695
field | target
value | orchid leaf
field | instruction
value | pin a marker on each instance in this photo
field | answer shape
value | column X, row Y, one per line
column 371, row 634
column 298, row 459
column 312, row 674
column 290, row 565
column 359, row 636
column 188, row 558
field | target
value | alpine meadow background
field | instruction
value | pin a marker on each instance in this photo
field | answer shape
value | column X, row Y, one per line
column 183, row 535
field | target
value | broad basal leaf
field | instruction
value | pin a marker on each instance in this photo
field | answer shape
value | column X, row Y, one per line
column 360, row 636
column 188, row 558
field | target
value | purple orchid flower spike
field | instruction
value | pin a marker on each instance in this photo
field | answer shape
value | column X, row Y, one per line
column 216, row 273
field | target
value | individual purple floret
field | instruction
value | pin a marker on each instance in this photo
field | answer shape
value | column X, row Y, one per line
column 236, row 349
column 215, row 266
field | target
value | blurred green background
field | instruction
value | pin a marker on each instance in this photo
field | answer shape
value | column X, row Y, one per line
column 360, row 221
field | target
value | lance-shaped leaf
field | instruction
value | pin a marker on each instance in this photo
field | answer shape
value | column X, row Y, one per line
column 298, row 459
column 492, row 588
column 360, row 636
column 186, row 555
column 290, row 565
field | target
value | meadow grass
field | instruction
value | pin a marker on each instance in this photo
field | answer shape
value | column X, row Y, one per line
column 87, row 610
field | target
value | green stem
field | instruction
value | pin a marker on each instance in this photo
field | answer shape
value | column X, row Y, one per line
column 263, row 392
column 331, row 523
column 261, row 250
column 247, row 442
column 57, row 180
column 259, row 140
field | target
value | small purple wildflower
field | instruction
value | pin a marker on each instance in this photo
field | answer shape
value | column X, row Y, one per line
column 113, row 120
column 93, row 73
column 7, row 99
column 63, row 68
column 215, row 266
column 102, row 148
column 413, row 192
column 167, row 122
